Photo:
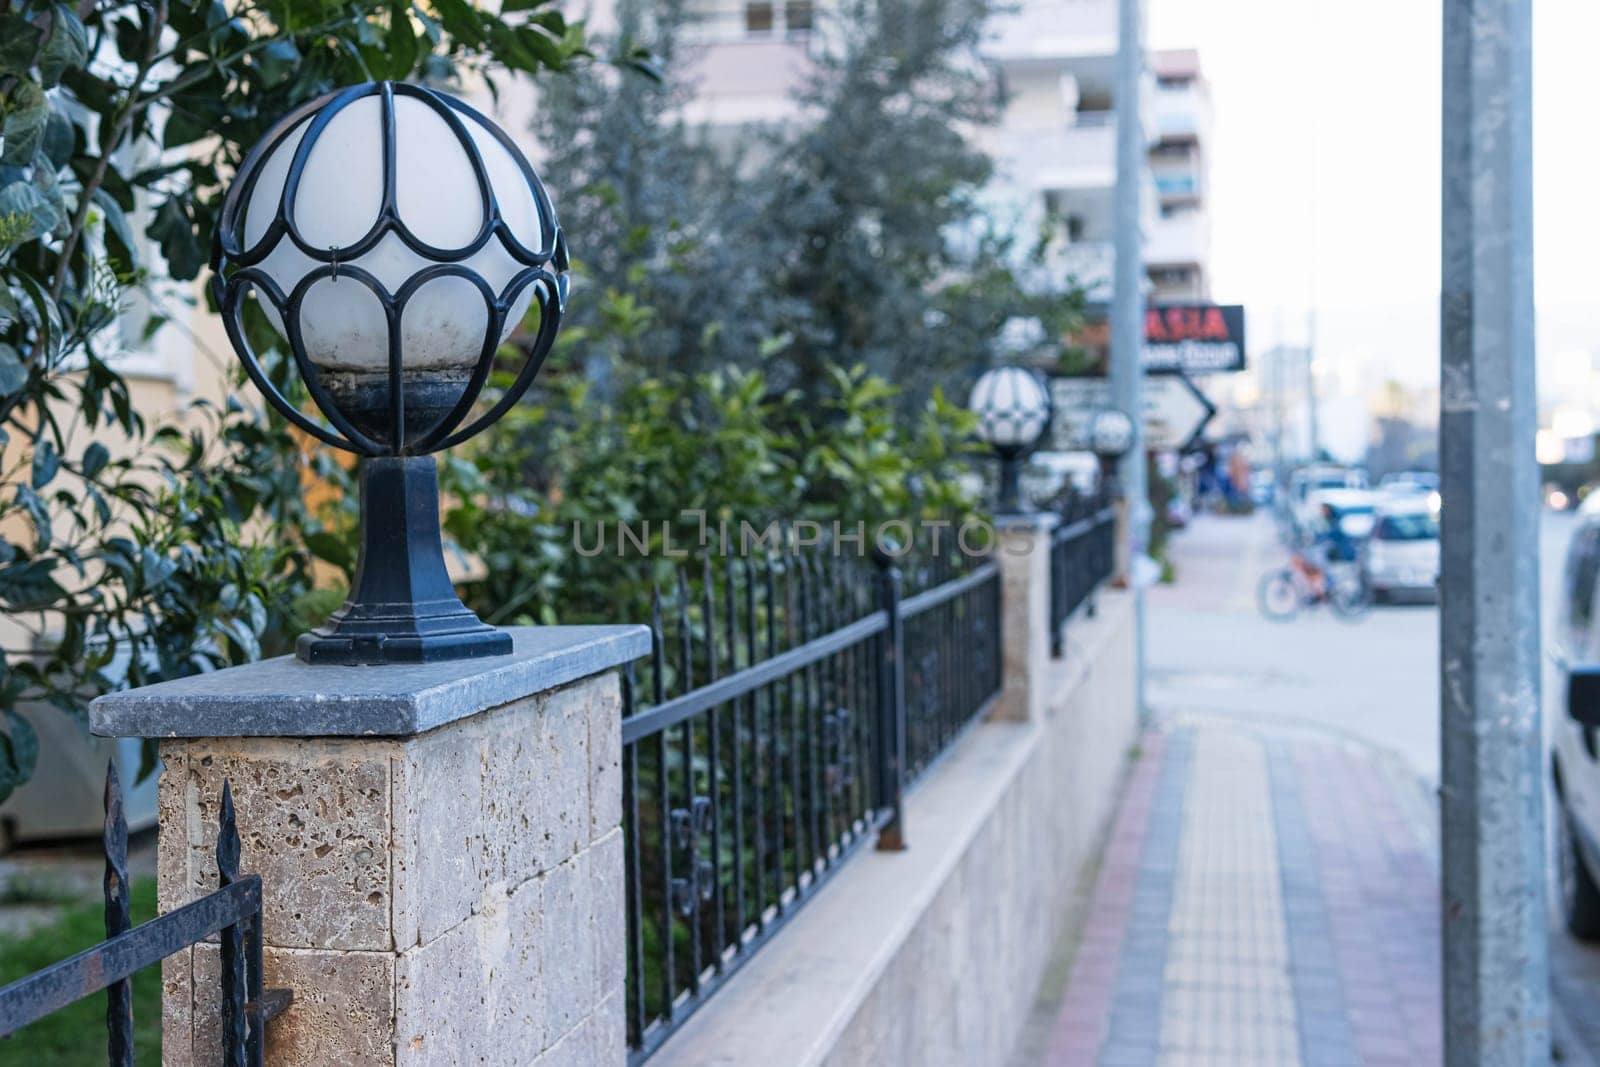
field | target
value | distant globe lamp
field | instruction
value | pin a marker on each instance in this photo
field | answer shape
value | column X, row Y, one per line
column 1110, row 438
column 394, row 237
column 1013, row 409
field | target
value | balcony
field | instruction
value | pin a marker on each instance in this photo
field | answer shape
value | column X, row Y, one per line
column 1081, row 156
column 1054, row 30
column 1181, row 114
column 1178, row 240
column 1177, row 186
column 752, row 20
column 745, row 79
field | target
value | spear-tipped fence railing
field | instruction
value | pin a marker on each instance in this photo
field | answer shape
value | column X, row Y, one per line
column 233, row 911
column 788, row 702
column 1082, row 555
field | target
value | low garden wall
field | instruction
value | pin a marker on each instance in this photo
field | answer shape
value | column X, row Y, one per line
column 933, row 955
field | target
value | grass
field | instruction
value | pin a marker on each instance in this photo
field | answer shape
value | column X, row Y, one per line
column 77, row 1034
column 23, row 888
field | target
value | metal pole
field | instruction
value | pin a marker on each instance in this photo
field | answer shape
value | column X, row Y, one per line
column 1496, row 975
column 1312, row 429
column 1127, row 300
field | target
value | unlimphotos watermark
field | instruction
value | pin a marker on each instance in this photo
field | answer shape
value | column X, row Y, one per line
column 694, row 531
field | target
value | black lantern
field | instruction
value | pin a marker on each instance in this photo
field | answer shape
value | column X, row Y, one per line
column 394, row 237
column 1110, row 437
column 1013, row 409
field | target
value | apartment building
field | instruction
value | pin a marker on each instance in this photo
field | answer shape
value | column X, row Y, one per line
column 1054, row 147
column 1179, row 244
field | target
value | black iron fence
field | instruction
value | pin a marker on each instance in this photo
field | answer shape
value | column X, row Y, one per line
column 233, row 911
column 1082, row 555
column 787, row 703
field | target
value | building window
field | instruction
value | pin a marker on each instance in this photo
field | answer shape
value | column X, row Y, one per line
column 797, row 16
column 1172, row 276
column 758, row 17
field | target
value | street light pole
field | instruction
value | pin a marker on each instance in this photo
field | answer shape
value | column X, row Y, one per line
column 1496, row 954
column 1127, row 302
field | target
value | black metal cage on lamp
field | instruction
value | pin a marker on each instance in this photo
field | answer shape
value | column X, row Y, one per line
column 1013, row 409
column 394, row 237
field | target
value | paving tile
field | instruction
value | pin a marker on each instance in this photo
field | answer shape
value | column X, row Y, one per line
column 1263, row 901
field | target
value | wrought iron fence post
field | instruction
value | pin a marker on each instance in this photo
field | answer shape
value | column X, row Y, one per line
column 891, row 718
column 119, row 920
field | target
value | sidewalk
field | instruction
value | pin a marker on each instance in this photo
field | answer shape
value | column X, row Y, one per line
column 1268, row 896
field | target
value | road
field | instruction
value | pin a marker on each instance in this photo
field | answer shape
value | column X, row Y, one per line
column 1210, row 651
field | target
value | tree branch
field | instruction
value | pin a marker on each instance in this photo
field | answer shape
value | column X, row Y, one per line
column 119, row 130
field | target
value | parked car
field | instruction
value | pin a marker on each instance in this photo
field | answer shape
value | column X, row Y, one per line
column 1409, row 483
column 1308, row 485
column 1263, row 487
column 1575, row 749
column 1402, row 556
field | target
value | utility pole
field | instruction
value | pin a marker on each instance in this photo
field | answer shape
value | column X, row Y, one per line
column 1311, row 387
column 1127, row 302
column 1496, row 953
column 1275, row 378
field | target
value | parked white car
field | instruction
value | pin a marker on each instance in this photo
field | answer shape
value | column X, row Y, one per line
column 1402, row 556
column 1309, row 485
column 1575, row 749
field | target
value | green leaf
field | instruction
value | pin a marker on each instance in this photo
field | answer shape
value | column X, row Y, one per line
column 546, row 50
column 24, row 744
column 9, row 780
column 173, row 231
column 29, row 586
column 27, row 113
column 154, row 568
column 401, row 41
column 331, row 548
column 95, row 458
column 26, row 214
column 19, row 40
column 277, row 62
column 59, row 140
column 46, row 462
column 120, row 243
column 67, row 48
column 13, row 375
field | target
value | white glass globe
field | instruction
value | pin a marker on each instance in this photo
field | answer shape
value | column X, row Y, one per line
column 438, row 200
column 1012, row 407
column 1111, row 432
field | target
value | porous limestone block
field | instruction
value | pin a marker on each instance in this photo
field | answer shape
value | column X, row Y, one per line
column 1023, row 551
column 450, row 897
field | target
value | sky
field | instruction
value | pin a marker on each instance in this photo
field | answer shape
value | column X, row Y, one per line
column 1325, row 173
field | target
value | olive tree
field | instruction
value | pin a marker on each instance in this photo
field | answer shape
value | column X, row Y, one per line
column 129, row 551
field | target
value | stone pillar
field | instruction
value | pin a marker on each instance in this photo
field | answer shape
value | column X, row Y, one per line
column 440, row 848
column 1121, row 555
column 1024, row 554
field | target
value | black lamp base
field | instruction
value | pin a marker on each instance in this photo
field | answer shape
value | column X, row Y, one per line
column 1009, row 500
column 402, row 607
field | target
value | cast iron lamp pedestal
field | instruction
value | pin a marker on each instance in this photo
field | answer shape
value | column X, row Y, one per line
column 1009, row 500
column 402, row 606
column 396, row 358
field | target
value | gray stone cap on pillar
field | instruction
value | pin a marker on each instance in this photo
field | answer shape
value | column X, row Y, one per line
column 1028, row 520
column 284, row 697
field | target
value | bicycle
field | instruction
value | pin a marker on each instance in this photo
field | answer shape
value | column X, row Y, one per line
column 1285, row 592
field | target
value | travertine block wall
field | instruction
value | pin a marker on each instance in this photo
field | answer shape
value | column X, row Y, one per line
column 1024, row 555
column 990, row 921
column 450, row 897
